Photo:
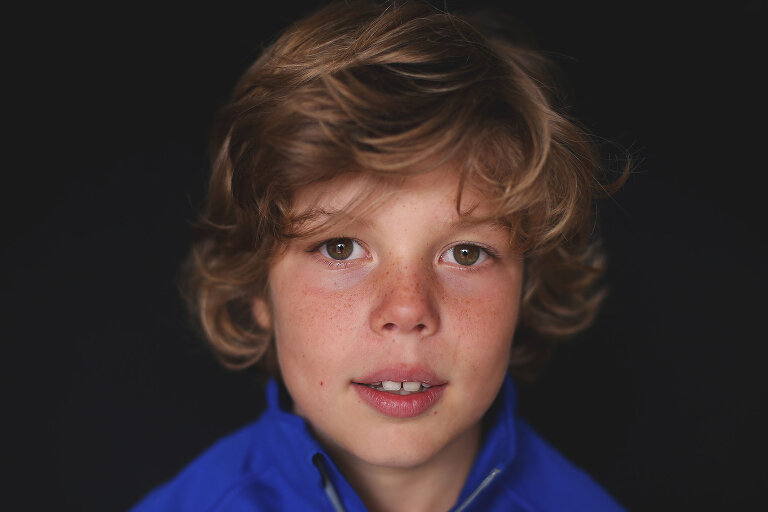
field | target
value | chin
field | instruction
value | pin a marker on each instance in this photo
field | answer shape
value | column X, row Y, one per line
column 402, row 456
column 403, row 447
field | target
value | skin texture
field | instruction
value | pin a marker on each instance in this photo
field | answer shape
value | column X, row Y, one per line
column 400, row 300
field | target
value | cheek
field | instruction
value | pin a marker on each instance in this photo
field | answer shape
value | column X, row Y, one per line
column 485, row 320
column 313, row 326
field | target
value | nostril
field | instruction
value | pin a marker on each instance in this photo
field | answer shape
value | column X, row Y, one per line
column 390, row 326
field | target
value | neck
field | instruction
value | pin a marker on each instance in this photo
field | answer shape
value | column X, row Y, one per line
column 432, row 485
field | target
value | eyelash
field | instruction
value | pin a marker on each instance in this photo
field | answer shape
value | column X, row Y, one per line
column 330, row 262
column 487, row 251
column 316, row 250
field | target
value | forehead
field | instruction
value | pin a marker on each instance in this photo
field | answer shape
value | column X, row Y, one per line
column 355, row 197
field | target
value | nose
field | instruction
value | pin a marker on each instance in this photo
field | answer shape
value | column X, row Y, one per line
column 406, row 303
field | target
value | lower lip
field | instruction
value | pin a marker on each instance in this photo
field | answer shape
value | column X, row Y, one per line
column 400, row 406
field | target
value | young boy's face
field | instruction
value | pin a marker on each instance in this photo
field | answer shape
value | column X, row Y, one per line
column 406, row 291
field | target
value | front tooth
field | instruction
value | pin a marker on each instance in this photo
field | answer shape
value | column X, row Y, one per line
column 411, row 386
column 390, row 385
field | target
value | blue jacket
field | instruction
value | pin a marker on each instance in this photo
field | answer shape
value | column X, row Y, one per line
column 276, row 464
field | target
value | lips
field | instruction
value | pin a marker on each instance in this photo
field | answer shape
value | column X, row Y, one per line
column 402, row 374
column 400, row 392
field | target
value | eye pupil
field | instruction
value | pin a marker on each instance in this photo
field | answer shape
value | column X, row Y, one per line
column 466, row 254
column 340, row 248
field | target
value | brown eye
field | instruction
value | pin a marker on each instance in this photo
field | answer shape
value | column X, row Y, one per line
column 466, row 254
column 340, row 248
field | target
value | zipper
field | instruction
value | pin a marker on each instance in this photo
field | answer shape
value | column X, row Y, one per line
column 338, row 506
column 328, row 487
column 485, row 483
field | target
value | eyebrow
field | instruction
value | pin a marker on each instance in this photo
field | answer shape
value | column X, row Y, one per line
column 465, row 220
column 465, row 223
column 318, row 220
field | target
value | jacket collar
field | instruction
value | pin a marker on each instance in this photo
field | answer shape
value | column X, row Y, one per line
column 297, row 453
column 498, row 446
column 306, row 465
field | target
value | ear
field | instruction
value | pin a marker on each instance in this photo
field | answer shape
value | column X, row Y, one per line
column 261, row 313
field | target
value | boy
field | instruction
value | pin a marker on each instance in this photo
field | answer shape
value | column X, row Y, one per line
column 393, row 200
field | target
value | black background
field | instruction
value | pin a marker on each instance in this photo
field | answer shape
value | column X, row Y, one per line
column 111, row 393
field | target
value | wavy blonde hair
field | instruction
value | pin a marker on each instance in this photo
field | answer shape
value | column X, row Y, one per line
column 385, row 89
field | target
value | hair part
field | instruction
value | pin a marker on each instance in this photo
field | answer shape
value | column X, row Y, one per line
column 393, row 90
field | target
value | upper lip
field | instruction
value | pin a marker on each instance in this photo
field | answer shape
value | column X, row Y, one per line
column 401, row 374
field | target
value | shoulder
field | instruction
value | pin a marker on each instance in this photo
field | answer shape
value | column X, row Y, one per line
column 543, row 480
column 214, row 476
